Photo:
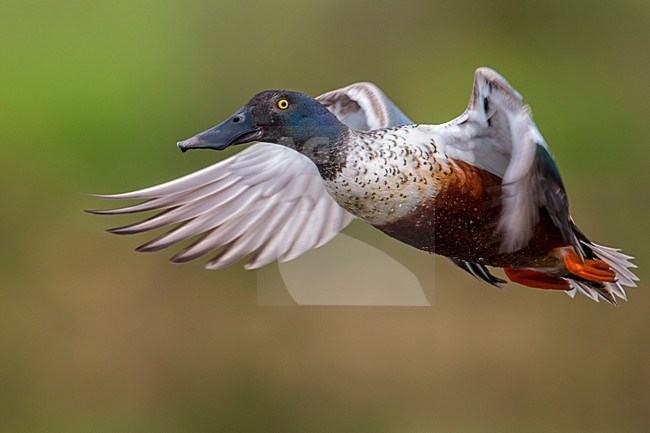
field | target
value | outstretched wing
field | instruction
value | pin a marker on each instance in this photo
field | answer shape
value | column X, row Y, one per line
column 267, row 202
column 497, row 133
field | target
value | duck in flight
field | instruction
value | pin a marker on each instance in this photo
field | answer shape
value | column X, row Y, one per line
column 482, row 189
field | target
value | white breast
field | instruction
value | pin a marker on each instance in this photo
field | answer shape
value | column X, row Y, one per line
column 387, row 173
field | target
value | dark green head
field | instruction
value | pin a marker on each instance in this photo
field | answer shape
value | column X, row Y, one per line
column 285, row 117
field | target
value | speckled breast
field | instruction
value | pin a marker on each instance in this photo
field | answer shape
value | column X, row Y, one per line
column 385, row 177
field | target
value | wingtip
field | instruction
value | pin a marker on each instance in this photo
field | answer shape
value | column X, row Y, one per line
column 150, row 247
column 251, row 266
column 118, row 211
column 104, row 196
column 94, row 195
column 177, row 260
column 121, row 231
column 100, row 212
column 181, row 258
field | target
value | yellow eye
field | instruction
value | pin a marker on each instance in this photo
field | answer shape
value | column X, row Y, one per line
column 283, row 104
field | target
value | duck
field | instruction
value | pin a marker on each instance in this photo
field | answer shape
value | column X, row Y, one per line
column 482, row 189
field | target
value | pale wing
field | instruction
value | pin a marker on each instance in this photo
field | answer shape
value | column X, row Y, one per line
column 254, row 203
column 267, row 202
column 497, row 133
column 363, row 106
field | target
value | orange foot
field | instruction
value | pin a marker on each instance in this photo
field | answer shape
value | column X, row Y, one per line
column 594, row 270
column 538, row 280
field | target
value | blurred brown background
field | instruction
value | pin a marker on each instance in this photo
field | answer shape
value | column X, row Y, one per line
column 96, row 338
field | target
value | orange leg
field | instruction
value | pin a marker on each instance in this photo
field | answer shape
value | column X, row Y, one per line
column 594, row 270
column 538, row 280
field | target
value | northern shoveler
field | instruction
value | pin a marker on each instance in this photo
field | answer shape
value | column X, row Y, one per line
column 482, row 189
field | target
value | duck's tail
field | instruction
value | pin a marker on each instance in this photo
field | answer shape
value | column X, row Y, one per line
column 596, row 271
column 603, row 272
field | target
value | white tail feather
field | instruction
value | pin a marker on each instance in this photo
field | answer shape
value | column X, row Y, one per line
column 619, row 262
column 582, row 288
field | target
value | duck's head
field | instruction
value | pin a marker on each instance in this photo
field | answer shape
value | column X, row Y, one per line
column 285, row 117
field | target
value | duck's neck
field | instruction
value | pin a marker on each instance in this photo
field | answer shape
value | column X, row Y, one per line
column 331, row 155
column 327, row 149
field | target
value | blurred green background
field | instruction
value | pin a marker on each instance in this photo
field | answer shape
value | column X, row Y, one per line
column 95, row 338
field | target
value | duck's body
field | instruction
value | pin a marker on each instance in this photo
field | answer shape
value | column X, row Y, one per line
column 460, row 221
column 482, row 189
column 402, row 181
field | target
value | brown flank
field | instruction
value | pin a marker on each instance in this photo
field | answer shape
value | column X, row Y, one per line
column 460, row 222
